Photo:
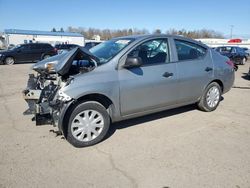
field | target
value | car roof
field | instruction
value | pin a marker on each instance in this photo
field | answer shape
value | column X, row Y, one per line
column 35, row 43
column 228, row 46
column 65, row 44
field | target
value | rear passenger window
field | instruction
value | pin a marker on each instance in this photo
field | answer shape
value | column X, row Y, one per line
column 187, row 50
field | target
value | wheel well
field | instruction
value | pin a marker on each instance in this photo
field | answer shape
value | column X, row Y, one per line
column 220, row 84
column 44, row 54
column 105, row 101
column 102, row 99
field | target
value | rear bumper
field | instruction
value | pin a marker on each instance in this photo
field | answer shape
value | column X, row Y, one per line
column 229, row 82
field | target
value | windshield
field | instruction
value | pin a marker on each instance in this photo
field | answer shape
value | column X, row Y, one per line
column 107, row 50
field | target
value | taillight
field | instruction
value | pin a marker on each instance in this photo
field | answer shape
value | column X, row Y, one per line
column 55, row 50
column 230, row 63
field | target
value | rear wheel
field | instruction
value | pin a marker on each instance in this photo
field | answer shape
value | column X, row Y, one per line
column 210, row 98
column 88, row 124
column 46, row 56
column 9, row 61
column 244, row 60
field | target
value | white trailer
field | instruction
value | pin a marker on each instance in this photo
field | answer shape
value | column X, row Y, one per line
column 16, row 36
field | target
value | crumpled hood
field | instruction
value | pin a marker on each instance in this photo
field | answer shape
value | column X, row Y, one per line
column 61, row 63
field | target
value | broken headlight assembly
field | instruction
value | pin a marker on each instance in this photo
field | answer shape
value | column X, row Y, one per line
column 50, row 67
column 63, row 96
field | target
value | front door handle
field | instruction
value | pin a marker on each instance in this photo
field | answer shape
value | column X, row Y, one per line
column 167, row 74
column 208, row 69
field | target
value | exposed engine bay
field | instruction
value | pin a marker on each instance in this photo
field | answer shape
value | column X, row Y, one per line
column 43, row 92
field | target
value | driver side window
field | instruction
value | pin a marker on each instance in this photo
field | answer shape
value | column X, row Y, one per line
column 24, row 47
column 152, row 52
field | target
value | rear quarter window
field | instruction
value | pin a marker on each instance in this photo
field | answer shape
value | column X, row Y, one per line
column 188, row 50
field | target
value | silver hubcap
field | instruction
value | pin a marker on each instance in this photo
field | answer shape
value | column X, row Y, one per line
column 87, row 125
column 213, row 96
column 244, row 61
column 9, row 61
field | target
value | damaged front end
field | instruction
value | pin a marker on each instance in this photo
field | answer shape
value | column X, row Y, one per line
column 44, row 94
column 40, row 96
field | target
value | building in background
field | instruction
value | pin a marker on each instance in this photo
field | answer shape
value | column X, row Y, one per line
column 213, row 42
column 16, row 36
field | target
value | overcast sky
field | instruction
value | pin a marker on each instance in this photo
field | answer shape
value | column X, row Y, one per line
column 217, row 15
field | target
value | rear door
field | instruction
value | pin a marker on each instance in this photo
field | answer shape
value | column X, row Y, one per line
column 153, row 85
column 36, row 51
column 47, row 49
column 195, row 69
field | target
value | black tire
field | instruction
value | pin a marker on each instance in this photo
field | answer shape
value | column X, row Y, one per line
column 203, row 103
column 9, row 61
column 80, row 108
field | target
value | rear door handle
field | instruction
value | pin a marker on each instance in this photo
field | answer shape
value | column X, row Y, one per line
column 208, row 69
column 167, row 74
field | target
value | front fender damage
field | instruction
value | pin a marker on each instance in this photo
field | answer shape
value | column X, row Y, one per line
column 44, row 92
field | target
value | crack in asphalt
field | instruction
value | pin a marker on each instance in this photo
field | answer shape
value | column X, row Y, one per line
column 114, row 166
column 241, row 87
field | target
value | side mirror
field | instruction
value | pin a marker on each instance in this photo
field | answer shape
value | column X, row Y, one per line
column 132, row 62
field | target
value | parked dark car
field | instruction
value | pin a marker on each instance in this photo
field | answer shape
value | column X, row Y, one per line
column 89, row 45
column 83, row 91
column 247, row 51
column 61, row 48
column 236, row 54
column 31, row 52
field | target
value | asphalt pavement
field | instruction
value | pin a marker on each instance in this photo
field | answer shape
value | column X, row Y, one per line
column 183, row 147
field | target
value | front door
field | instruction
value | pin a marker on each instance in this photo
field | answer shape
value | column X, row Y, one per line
column 24, row 53
column 154, row 84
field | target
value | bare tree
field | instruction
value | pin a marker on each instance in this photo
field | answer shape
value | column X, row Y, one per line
column 204, row 33
column 157, row 31
column 53, row 30
column 107, row 34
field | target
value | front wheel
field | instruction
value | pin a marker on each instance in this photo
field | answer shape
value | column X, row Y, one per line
column 88, row 124
column 210, row 98
column 9, row 61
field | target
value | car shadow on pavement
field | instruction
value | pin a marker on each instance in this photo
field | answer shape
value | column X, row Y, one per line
column 137, row 121
column 24, row 63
